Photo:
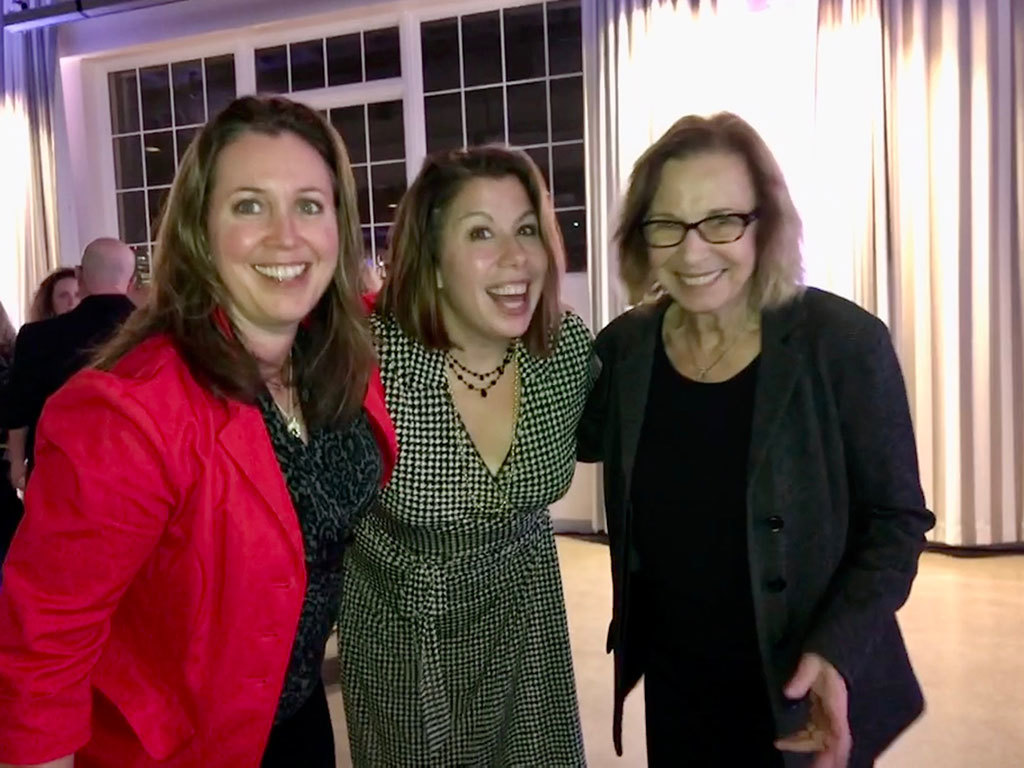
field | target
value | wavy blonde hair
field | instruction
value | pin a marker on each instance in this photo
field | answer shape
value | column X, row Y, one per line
column 778, row 275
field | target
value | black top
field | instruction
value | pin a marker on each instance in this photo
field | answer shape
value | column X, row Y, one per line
column 49, row 352
column 333, row 480
column 689, row 495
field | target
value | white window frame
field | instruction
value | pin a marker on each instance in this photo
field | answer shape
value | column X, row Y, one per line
column 99, row 212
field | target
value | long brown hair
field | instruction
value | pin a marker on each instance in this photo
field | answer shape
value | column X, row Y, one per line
column 410, row 291
column 42, row 307
column 333, row 353
column 779, row 271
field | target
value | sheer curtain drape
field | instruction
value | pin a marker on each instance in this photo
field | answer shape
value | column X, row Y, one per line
column 955, row 77
column 28, row 215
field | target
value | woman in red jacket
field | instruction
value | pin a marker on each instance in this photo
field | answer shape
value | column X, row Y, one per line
column 167, row 599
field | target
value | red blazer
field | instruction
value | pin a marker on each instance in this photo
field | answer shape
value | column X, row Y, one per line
column 153, row 590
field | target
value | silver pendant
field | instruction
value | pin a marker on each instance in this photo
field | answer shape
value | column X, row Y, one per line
column 294, row 428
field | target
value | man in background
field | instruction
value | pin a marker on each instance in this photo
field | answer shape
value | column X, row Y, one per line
column 49, row 352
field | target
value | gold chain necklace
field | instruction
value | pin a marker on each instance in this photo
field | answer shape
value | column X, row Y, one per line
column 703, row 371
column 291, row 415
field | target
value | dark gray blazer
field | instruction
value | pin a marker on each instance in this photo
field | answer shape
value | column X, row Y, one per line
column 835, row 513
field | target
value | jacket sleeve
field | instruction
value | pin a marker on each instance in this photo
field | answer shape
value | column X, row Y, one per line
column 19, row 399
column 888, row 517
column 96, row 506
column 590, row 434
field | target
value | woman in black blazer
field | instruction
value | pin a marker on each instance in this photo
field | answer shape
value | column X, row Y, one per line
column 761, row 483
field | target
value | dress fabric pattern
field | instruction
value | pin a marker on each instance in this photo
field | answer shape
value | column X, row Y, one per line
column 453, row 639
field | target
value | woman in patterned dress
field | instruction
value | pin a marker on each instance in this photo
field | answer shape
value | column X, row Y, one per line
column 454, row 645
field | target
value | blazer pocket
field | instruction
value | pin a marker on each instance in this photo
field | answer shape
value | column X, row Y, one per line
column 154, row 713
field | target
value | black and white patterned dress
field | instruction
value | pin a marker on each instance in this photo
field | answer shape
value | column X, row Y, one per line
column 453, row 639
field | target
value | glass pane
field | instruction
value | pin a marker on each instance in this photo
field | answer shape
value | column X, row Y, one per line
column 570, row 181
column 220, row 83
column 128, row 162
column 565, row 48
column 351, row 124
column 380, row 241
column 439, row 41
column 124, row 101
column 272, row 69
column 574, row 231
column 539, row 155
column 142, row 261
column 157, row 198
column 362, row 192
column 185, row 136
column 527, row 114
column 567, row 119
column 159, row 148
column 481, row 43
column 367, row 242
column 524, row 42
column 383, row 54
column 485, row 117
column 443, row 116
column 189, row 106
column 387, row 131
column 155, row 87
column 345, row 59
column 388, row 182
column 131, row 216
column 307, row 65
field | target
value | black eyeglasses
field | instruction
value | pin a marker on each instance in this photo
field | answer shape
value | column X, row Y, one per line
column 719, row 229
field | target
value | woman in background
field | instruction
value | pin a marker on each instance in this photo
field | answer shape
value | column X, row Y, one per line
column 57, row 294
column 454, row 646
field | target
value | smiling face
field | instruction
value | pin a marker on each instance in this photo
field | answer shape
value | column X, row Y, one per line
column 273, row 231
column 492, row 262
column 699, row 276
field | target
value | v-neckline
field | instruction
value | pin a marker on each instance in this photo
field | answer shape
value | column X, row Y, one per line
column 494, row 475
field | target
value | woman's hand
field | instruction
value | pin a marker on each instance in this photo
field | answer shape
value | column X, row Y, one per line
column 828, row 730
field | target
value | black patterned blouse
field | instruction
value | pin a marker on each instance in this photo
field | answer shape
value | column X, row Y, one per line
column 333, row 480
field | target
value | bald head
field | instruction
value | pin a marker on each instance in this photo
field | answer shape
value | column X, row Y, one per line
column 107, row 267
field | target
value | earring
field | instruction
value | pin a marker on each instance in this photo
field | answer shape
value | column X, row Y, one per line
column 440, row 282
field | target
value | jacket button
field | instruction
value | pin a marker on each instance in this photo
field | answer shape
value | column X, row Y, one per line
column 776, row 523
column 778, row 584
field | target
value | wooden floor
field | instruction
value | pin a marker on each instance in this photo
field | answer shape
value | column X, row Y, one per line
column 964, row 625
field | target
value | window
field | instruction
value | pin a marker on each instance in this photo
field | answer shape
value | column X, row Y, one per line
column 529, row 96
column 311, row 64
column 155, row 112
column 374, row 133
column 375, row 137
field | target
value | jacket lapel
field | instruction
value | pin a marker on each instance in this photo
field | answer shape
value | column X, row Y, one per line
column 245, row 438
column 636, row 366
column 779, row 369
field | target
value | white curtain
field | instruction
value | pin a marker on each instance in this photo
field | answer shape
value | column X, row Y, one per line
column 28, row 188
column 955, row 78
column 848, row 224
